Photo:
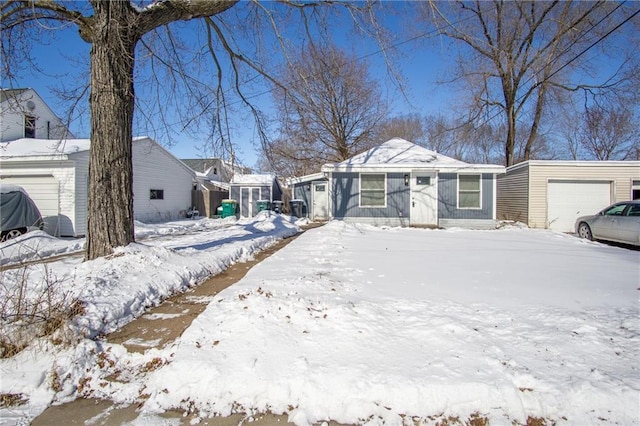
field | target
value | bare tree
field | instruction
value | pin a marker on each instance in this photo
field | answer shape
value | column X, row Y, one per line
column 609, row 134
column 518, row 52
column 410, row 127
column 116, row 30
column 328, row 109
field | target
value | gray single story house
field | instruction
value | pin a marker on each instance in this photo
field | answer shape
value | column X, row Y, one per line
column 400, row 183
column 247, row 190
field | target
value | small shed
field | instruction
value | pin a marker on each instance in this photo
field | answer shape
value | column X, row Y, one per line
column 553, row 194
column 55, row 174
column 247, row 190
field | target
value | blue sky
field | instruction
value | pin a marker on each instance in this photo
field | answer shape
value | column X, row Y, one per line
column 422, row 63
column 62, row 59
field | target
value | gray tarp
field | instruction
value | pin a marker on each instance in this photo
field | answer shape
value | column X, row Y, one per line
column 17, row 210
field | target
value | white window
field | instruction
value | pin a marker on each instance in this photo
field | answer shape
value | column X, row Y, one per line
column 373, row 190
column 469, row 191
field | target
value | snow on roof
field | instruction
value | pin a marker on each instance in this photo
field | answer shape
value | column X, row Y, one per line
column 265, row 179
column 396, row 152
column 27, row 147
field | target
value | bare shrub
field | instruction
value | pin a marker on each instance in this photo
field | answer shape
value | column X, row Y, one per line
column 33, row 304
column 12, row 399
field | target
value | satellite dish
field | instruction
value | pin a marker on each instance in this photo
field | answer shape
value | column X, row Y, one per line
column 31, row 105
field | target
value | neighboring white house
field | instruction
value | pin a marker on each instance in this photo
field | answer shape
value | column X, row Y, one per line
column 23, row 114
column 216, row 170
column 55, row 174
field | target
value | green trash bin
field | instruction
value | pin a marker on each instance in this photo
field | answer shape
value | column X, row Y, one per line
column 263, row 205
column 229, row 208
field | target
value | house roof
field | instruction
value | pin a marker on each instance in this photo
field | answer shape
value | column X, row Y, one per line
column 200, row 165
column 398, row 153
column 264, row 179
column 50, row 149
column 27, row 147
column 307, row 178
column 10, row 93
column 576, row 163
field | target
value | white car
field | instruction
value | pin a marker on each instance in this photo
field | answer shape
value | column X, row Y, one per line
column 620, row 222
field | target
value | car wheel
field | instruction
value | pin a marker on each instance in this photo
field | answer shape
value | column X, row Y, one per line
column 12, row 234
column 585, row 232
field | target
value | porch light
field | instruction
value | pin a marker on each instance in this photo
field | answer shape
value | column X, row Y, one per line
column 406, row 180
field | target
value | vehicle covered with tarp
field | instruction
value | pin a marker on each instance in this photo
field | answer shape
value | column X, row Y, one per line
column 18, row 213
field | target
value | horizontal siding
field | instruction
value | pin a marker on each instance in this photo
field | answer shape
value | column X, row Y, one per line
column 620, row 176
column 81, row 193
column 154, row 168
column 513, row 195
column 62, row 222
column 346, row 198
column 448, row 198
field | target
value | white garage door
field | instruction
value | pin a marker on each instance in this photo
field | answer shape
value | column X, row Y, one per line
column 568, row 200
column 43, row 190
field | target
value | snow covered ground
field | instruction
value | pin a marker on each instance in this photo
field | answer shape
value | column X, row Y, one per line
column 352, row 323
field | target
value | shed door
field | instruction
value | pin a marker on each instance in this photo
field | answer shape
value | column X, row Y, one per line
column 43, row 190
column 424, row 199
column 320, row 201
column 569, row 199
column 245, row 202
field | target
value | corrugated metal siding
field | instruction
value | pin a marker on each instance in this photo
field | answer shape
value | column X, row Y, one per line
column 540, row 174
column 513, row 195
column 448, row 196
column 346, row 196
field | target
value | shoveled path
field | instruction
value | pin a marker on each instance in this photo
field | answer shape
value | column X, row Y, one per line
column 158, row 327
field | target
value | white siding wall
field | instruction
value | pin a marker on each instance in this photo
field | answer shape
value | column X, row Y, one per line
column 48, row 126
column 81, row 199
column 619, row 173
column 155, row 168
column 63, row 171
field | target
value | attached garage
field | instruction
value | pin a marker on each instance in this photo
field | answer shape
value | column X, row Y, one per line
column 44, row 189
column 552, row 194
column 569, row 199
column 56, row 176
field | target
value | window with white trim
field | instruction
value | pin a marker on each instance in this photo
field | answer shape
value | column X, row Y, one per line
column 373, row 191
column 469, row 191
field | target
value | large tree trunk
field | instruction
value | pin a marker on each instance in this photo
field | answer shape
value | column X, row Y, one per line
column 110, row 210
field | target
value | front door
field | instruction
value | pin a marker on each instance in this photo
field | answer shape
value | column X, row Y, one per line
column 424, row 199
column 320, row 209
